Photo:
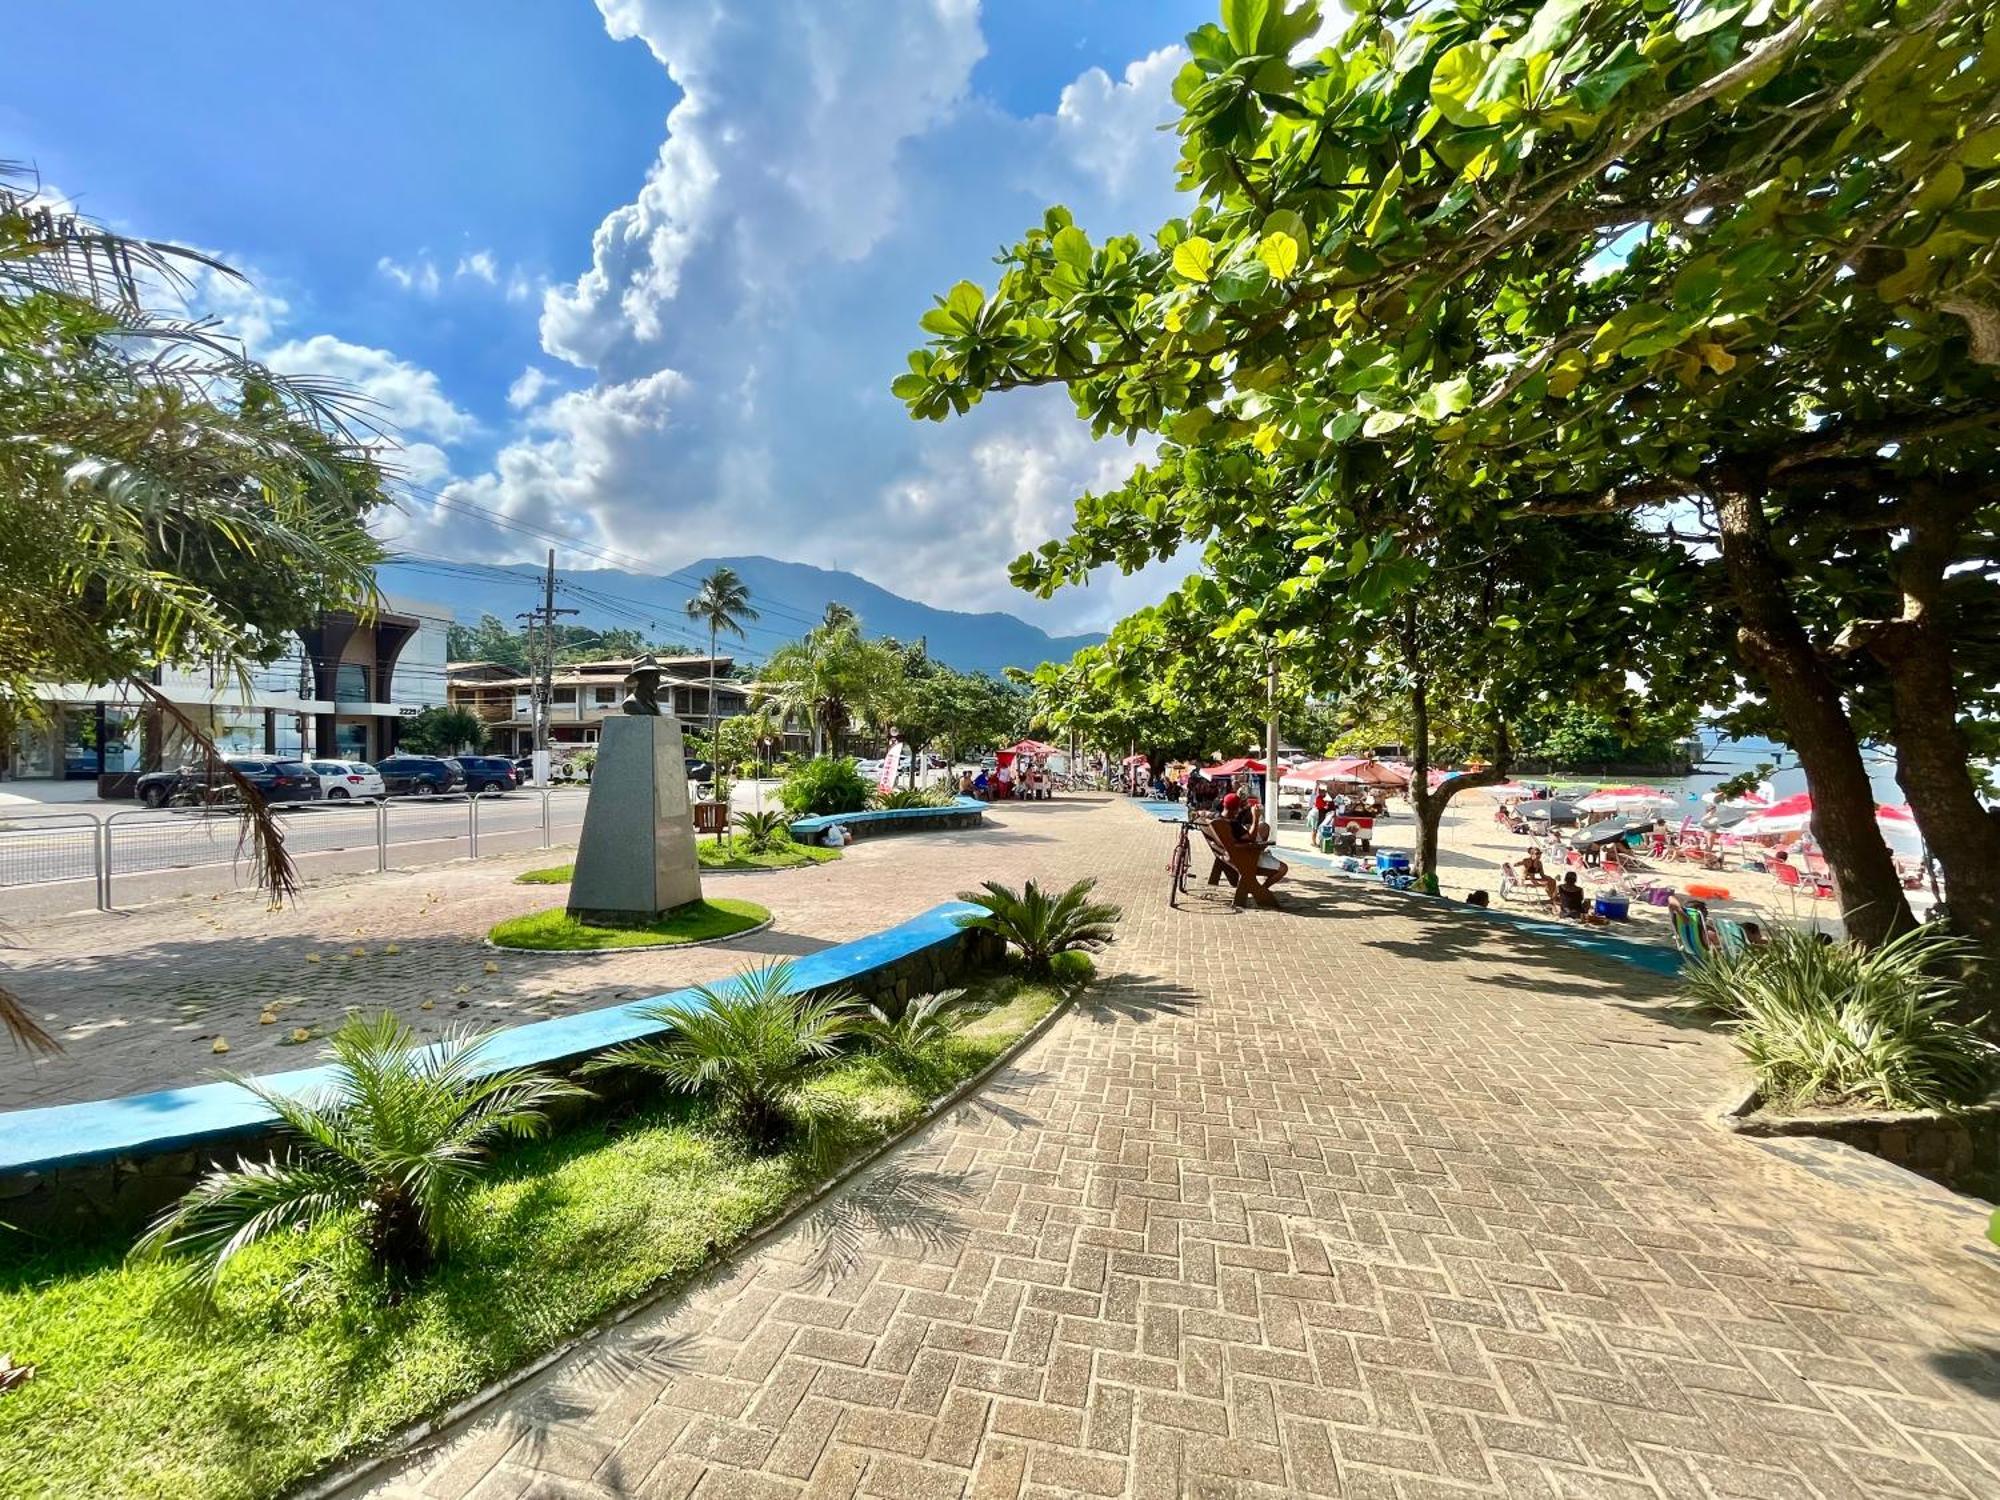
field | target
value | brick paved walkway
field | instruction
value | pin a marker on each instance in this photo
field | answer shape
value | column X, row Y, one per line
column 1366, row 1198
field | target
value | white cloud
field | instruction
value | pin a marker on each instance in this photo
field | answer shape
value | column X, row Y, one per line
column 405, row 397
column 420, row 275
column 528, row 387
column 480, row 266
column 825, row 169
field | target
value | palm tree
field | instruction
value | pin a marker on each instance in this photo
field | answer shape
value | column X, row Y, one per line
column 162, row 496
column 723, row 603
column 838, row 615
column 399, row 1135
column 755, row 1042
column 1039, row 924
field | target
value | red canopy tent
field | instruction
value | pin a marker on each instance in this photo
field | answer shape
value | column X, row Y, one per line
column 1235, row 767
column 1365, row 770
column 1036, row 747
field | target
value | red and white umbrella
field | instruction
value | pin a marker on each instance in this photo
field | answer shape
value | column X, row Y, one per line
column 1794, row 815
column 1311, row 773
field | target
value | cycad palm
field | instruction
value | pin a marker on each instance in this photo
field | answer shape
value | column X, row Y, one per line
column 753, row 1042
column 399, row 1134
column 924, row 1023
column 1042, row 925
column 722, row 603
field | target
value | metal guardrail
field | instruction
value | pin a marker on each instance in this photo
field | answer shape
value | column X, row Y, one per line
column 54, row 848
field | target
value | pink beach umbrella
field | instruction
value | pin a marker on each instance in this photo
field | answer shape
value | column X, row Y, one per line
column 1794, row 815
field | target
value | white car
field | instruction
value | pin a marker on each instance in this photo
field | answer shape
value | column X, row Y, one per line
column 869, row 769
column 347, row 780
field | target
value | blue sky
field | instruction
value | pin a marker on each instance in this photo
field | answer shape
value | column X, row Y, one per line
column 639, row 272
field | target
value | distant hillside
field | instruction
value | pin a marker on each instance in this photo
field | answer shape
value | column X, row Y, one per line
column 789, row 595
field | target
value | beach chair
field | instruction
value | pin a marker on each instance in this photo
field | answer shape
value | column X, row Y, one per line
column 1687, row 922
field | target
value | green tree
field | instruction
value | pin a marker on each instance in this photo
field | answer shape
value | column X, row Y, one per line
column 722, row 603
column 1729, row 267
column 443, row 731
column 164, row 500
column 828, row 677
column 492, row 639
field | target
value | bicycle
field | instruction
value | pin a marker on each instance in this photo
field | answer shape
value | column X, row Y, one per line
column 1177, row 865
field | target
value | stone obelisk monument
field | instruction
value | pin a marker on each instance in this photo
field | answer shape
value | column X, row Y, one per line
column 636, row 858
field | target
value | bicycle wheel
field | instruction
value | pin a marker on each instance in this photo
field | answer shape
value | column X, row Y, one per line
column 1177, row 872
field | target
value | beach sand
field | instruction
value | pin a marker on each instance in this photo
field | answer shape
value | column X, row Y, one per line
column 1472, row 847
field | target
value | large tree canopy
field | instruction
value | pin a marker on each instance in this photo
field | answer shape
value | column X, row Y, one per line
column 1726, row 265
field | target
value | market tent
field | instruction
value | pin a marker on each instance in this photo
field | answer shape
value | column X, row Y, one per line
column 1235, row 767
column 1310, row 773
column 1135, row 760
column 1036, row 747
column 1365, row 770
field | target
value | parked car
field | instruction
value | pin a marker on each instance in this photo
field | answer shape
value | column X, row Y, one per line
column 488, row 773
column 699, row 771
column 347, row 780
column 419, row 776
column 868, row 769
column 276, row 781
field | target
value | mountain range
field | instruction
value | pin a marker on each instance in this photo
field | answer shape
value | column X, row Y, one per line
column 790, row 598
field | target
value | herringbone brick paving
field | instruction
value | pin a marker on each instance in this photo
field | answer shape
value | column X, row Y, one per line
column 1367, row 1198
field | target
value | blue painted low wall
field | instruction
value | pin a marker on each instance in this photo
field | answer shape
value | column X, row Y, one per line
column 959, row 813
column 107, row 1140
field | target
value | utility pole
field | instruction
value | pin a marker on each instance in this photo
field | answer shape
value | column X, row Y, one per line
column 1271, row 730
column 545, row 689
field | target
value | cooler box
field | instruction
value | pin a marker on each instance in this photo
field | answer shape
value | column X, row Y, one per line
column 1392, row 859
column 1613, row 908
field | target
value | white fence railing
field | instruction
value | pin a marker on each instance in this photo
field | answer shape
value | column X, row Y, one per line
column 52, row 849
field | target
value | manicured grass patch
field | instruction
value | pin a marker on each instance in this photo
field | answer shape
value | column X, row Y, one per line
column 713, row 856
column 699, row 921
column 305, row 1362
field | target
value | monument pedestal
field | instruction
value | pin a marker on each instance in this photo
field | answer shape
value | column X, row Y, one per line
column 636, row 857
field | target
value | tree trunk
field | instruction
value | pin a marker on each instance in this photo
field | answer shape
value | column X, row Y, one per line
column 1775, row 646
column 1933, row 759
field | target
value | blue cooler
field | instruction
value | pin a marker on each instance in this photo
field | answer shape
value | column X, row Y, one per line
column 1392, row 859
column 1613, row 908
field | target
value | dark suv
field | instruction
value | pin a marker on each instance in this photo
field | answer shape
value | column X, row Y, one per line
column 419, row 776
column 202, row 783
column 488, row 773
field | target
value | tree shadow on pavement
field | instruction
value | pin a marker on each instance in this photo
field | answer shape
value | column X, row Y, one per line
column 900, row 1209
column 1135, row 997
column 992, row 1097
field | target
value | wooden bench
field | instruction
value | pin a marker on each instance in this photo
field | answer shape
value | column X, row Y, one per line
column 1237, row 862
column 711, row 817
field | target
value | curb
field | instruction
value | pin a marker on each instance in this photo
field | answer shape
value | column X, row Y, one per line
column 403, row 1443
column 630, row 947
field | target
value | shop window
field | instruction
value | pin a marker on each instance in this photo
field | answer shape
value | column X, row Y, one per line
column 350, row 683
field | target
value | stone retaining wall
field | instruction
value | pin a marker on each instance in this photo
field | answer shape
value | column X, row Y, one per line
column 76, row 1189
column 1960, row 1149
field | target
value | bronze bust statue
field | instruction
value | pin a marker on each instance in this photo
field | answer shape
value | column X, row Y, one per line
column 644, row 682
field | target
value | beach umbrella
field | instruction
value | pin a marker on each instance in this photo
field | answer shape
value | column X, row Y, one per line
column 1549, row 810
column 1506, row 789
column 1794, row 815
column 1237, row 767
column 1365, row 770
column 1624, row 799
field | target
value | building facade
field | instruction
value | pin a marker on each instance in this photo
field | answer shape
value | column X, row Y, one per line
column 584, row 695
column 343, row 689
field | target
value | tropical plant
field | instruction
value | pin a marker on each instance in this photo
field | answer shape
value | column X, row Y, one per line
column 1039, row 924
column 443, row 731
column 1836, row 1023
column 752, row 1042
column 918, row 1027
column 721, row 603
column 396, row 1137
column 762, row 830
column 163, row 498
column 828, row 677
column 907, row 796
column 824, row 784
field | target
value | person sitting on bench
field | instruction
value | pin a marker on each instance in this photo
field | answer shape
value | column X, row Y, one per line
column 1237, row 829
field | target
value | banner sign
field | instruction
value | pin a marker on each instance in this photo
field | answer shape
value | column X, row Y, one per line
column 892, row 766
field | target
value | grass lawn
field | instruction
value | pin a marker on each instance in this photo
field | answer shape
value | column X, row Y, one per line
column 305, row 1363
column 699, row 921
column 713, row 856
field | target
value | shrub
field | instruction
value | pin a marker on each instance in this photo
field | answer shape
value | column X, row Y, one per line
column 826, row 784
column 398, row 1136
column 754, row 1043
column 1073, row 968
column 906, row 796
column 1836, row 1023
column 919, row 1027
column 762, row 831
column 1039, row 924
